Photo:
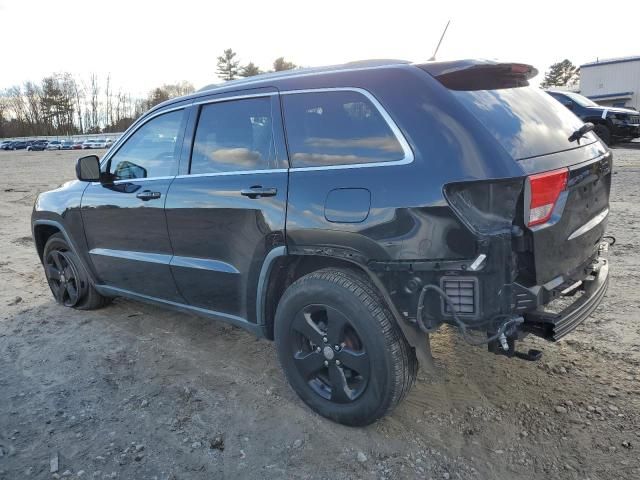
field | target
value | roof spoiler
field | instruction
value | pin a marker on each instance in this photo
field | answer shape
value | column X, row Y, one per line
column 480, row 74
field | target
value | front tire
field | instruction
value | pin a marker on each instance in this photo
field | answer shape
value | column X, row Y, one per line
column 341, row 349
column 67, row 278
column 603, row 132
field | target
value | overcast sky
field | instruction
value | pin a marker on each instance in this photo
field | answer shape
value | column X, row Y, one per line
column 145, row 44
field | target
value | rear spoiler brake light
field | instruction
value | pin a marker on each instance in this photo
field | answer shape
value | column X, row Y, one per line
column 471, row 75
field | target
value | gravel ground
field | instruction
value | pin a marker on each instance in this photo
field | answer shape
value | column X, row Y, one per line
column 136, row 392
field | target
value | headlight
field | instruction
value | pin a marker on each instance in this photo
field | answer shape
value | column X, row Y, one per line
column 619, row 118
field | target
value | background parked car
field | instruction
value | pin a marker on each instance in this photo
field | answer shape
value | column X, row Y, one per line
column 66, row 145
column 54, row 145
column 77, row 145
column 20, row 145
column 4, row 144
column 611, row 123
column 37, row 145
column 95, row 143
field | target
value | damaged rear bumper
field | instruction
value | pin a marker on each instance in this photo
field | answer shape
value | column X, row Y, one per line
column 553, row 326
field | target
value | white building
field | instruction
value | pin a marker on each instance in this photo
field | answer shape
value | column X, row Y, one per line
column 613, row 82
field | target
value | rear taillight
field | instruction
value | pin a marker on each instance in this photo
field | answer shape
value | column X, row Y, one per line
column 543, row 192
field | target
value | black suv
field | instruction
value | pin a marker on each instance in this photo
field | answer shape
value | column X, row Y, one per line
column 612, row 124
column 346, row 213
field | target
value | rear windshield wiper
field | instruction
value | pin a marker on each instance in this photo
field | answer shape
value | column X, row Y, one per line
column 581, row 132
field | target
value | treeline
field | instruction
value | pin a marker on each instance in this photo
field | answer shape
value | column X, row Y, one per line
column 63, row 105
column 229, row 67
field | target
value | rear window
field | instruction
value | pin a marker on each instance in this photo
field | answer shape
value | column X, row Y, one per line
column 337, row 128
column 526, row 121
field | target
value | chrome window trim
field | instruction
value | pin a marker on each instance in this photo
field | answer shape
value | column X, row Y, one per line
column 240, row 172
column 235, row 97
column 406, row 148
column 136, row 180
column 408, row 153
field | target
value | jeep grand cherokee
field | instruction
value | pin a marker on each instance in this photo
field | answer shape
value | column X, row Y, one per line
column 346, row 213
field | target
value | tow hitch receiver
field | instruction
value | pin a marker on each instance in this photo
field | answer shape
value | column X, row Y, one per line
column 505, row 345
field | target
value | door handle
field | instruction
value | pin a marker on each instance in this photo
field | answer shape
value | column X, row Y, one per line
column 148, row 195
column 258, row 191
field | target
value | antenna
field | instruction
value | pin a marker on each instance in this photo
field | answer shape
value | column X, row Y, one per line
column 433, row 58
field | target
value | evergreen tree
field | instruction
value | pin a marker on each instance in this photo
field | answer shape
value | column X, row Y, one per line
column 227, row 66
column 249, row 70
column 561, row 74
column 281, row 64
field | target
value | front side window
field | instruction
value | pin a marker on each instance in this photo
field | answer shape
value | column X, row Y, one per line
column 337, row 128
column 235, row 135
column 151, row 151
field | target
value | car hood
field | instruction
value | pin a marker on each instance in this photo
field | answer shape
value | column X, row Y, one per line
column 612, row 110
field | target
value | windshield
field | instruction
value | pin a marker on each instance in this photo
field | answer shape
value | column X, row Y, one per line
column 580, row 99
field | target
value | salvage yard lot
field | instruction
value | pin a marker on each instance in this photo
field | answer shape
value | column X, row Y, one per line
column 136, row 392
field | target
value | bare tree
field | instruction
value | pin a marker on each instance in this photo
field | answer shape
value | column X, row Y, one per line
column 33, row 95
column 78, row 96
column 63, row 106
column 108, row 107
column 94, row 104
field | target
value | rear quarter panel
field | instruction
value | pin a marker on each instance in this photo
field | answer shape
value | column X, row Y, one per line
column 409, row 217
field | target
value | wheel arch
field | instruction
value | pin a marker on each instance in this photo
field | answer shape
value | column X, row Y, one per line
column 43, row 229
column 286, row 268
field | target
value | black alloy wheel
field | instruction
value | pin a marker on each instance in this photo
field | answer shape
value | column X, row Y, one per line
column 340, row 347
column 329, row 354
column 63, row 277
column 68, row 279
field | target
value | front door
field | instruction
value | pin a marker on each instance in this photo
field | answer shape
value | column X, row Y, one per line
column 124, row 219
column 228, row 212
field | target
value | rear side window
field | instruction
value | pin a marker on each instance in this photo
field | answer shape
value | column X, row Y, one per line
column 234, row 136
column 337, row 128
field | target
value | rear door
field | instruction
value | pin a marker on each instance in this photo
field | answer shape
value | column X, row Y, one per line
column 227, row 210
column 124, row 219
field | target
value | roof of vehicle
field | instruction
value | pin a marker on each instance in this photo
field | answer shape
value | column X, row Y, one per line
column 297, row 72
column 272, row 79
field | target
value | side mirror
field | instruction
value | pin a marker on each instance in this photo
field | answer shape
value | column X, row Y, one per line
column 88, row 168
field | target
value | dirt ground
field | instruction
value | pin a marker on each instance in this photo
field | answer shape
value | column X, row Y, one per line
column 136, row 392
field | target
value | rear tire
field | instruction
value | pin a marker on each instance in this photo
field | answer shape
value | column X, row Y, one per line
column 341, row 349
column 603, row 132
column 68, row 280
